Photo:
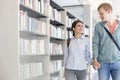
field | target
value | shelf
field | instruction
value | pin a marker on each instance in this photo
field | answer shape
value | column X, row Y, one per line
column 54, row 74
column 32, row 12
column 70, row 15
column 24, row 60
column 31, row 58
column 54, row 38
column 41, row 77
column 56, row 57
column 31, row 35
column 87, row 36
column 57, row 23
column 56, row 6
column 69, row 29
column 86, row 26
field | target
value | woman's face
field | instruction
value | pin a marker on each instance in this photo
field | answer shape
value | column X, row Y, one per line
column 78, row 28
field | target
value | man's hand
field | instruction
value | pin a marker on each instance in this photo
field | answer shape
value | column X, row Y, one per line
column 96, row 64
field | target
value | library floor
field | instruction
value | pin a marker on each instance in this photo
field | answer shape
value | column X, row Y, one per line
column 93, row 75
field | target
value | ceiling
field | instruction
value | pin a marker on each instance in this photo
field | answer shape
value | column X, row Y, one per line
column 67, row 2
column 94, row 4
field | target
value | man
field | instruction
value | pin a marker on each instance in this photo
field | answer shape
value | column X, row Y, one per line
column 106, row 55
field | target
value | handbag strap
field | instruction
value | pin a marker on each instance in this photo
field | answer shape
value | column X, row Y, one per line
column 110, row 35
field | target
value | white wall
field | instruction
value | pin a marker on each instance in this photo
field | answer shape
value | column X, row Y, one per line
column 8, row 40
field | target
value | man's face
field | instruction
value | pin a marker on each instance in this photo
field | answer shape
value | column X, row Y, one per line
column 104, row 15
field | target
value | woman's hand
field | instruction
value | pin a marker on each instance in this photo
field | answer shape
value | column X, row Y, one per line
column 96, row 64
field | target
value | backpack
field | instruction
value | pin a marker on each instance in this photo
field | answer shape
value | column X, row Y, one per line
column 68, row 41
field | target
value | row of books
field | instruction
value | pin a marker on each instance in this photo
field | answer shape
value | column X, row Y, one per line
column 57, row 32
column 69, row 21
column 56, row 48
column 30, row 70
column 37, row 5
column 69, row 34
column 55, row 14
column 31, row 24
column 55, row 66
column 30, row 47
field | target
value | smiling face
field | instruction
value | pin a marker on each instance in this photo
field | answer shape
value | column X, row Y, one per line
column 105, row 11
column 78, row 28
column 104, row 14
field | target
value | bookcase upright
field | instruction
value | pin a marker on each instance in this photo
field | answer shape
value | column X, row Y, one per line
column 32, row 38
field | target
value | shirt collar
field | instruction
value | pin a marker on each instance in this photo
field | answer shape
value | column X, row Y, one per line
column 82, row 37
column 107, row 26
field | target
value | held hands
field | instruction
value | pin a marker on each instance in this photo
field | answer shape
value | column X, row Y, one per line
column 96, row 64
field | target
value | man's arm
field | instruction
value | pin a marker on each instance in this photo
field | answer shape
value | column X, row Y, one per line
column 96, row 42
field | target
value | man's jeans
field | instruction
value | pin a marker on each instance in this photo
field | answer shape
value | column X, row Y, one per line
column 107, row 69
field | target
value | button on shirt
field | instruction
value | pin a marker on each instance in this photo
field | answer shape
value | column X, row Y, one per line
column 76, row 54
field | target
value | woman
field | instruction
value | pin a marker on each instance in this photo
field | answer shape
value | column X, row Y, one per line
column 76, row 54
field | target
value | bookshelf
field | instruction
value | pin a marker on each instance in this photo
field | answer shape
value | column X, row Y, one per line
column 33, row 34
column 69, row 19
column 34, row 53
column 87, row 31
column 57, row 39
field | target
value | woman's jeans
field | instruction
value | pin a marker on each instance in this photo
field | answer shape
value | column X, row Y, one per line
column 75, row 74
column 109, row 69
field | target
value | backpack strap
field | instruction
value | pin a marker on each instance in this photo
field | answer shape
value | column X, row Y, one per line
column 68, row 41
column 112, row 38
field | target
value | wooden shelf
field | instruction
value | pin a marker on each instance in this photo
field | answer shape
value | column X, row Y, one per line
column 40, row 77
column 32, row 58
column 70, row 15
column 69, row 29
column 56, row 23
column 32, row 12
column 56, row 6
column 30, row 35
column 56, row 57
column 54, row 74
column 55, row 38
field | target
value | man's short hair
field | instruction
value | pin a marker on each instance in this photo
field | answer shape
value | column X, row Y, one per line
column 105, row 6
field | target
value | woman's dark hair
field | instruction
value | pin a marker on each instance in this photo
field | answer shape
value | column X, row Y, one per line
column 74, row 24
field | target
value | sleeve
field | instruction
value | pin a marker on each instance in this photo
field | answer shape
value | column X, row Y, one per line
column 87, row 53
column 65, row 55
column 96, row 42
